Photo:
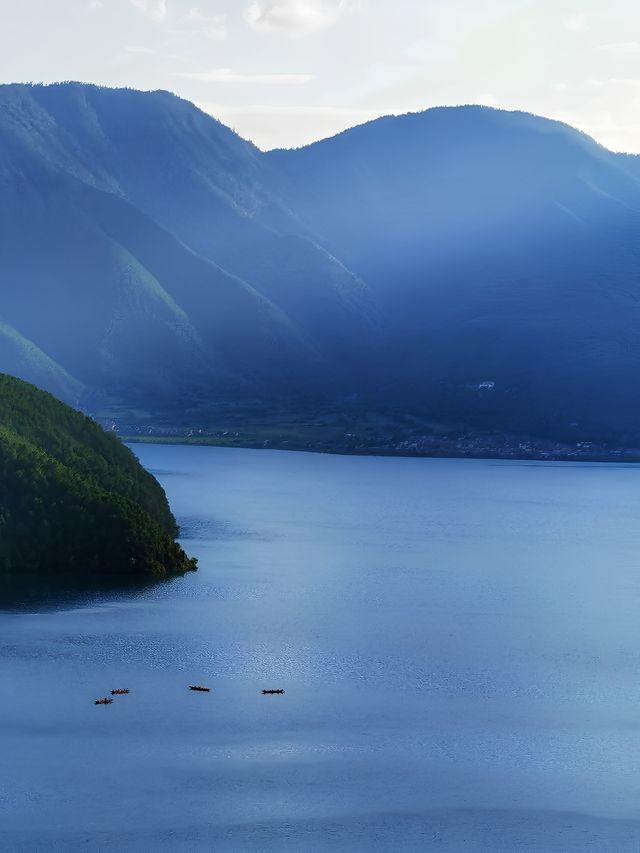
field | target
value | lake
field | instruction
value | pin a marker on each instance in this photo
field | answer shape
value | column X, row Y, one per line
column 459, row 642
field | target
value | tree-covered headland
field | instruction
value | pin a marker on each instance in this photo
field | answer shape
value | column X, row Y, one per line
column 76, row 506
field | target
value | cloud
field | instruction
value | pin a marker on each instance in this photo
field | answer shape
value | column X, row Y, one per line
column 226, row 75
column 488, row 99
column 195, row 16
column 155, row 9
column 623, row 47
column 377, row 78
column 431, row 52
column 619, row 82
column 577, row 23
column 280, row 126
column 139, row 49
column 294, row 17
column 216, row 33
column 213, row 26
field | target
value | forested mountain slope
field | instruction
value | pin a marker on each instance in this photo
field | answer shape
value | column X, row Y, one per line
column 133, row 252
column 499, row 246
column 151, row 257
column 76, row 507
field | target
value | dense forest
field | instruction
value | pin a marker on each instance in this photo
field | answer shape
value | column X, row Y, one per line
column 75, row 504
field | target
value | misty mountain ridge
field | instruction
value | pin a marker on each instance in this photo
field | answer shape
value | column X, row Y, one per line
column 101, row 196
column 152, row 256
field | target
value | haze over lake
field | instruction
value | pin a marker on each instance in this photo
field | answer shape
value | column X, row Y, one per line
column 459, row 642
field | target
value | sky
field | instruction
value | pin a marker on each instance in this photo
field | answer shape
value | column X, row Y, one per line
column 286, row 72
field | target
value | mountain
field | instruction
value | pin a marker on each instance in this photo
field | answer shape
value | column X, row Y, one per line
column 21, row 357
column 469, row 266
column 136, row 255
column 500, row 247
column 76, row 506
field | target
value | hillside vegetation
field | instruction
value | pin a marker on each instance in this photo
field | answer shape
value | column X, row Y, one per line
column 75, row 504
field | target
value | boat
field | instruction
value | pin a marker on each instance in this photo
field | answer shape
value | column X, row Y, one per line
column 198, row 687
column 271, row 692
column 120, row 692
column 105, row 701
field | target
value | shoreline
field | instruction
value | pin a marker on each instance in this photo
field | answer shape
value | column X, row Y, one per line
column 507, row 453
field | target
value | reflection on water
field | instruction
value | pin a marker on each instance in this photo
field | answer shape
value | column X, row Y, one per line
column 459, row 642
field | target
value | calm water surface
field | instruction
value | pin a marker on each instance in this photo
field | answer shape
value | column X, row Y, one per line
column 459, row 642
